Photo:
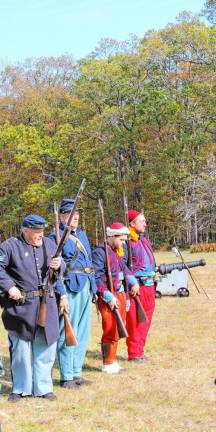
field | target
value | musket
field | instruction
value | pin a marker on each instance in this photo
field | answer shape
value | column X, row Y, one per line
column 119, row 321
column 70, row 337
column 49, row 276
column 140, row 312
column 56, row 215
column 178, row 253
column 96, row 230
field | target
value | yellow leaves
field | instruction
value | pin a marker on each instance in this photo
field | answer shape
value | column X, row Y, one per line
column 154, row 47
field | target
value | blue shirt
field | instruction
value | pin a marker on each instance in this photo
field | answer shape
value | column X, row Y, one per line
column 75, row 282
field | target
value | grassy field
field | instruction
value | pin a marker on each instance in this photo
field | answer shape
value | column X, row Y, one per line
column 173, row 391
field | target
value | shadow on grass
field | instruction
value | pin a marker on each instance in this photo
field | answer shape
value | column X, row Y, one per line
column 90, row 368
column 5, row 389
column 96, row 355
column 6, row 369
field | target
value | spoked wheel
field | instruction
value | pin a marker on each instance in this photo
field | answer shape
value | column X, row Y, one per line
column 183, row 292
column 158, row 294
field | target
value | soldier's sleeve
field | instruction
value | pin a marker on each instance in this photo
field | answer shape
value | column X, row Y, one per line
column 130, row 278
column 5, row 256
column 125, row 257
column 99, row 263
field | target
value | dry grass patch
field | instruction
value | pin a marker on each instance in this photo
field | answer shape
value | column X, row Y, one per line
column 174, row 391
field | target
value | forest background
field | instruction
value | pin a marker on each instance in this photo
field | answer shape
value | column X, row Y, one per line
column 137, row 115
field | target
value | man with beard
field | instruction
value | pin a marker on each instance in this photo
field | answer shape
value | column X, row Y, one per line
column 24, row 262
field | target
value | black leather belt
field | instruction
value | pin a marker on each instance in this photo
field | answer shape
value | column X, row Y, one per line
column 5, row 301
column 142, row 279
column 27, row 295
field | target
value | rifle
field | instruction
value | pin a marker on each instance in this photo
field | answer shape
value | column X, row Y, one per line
column 119, row 321
column 48, row 282
column 140, row 312
column 56, row 214
column 70, row 338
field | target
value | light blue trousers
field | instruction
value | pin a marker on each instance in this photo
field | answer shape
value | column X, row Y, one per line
column 31, row 360
column 71, row 358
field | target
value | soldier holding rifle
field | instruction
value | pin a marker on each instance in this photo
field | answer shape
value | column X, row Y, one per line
column 24, row 262
column 111, row 291
column 143, row 268
column 80, row 284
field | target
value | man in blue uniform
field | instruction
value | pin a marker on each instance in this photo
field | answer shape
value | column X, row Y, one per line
column 24, row 262
column 80, row 285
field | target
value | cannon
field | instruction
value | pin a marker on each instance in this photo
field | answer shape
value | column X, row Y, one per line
column 174, row 278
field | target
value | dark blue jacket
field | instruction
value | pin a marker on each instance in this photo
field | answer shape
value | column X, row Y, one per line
column 75, row 282
column 18, row 268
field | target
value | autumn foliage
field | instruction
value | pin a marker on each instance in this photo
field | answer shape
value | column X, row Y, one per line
column 138, row 115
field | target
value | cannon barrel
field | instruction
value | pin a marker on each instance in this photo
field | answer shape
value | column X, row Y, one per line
column 168, row 268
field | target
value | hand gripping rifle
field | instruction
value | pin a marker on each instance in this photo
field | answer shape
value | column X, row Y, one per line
column 140, row 312
column 70, row 337
column 50, row 273
column 119, row 321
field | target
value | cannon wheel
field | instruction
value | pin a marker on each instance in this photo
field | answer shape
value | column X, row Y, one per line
column 158, row 294
column 183, row 292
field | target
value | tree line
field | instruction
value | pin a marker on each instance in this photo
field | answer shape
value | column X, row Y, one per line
column 137, row 115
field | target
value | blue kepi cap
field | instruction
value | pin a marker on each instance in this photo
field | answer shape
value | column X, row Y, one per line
column 66, row 205
column 34, row 221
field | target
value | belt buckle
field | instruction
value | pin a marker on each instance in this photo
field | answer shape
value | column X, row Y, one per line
column 87, row 270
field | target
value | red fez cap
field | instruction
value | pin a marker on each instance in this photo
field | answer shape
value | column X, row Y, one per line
column 132, row 214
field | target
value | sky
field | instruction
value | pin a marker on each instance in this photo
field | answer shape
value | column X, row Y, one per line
column 37, row 28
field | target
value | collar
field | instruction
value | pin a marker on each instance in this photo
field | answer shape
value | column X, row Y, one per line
column 133, row 234
column 23, row 239
column 62, row 227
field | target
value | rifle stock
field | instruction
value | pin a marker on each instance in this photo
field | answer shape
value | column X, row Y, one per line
column 119, row 321
column 70, row 337
column 122, row 332
column 140, row 313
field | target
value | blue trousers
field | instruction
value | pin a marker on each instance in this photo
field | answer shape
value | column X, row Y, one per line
column 31, row 360
column 71, row 358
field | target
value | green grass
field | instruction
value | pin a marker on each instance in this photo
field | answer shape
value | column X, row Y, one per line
column 174, row 391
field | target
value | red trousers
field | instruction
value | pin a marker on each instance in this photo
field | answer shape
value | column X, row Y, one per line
column 110, row 337
column 138, row 331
